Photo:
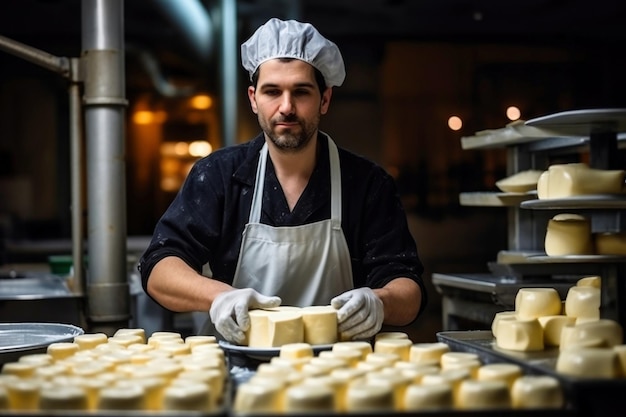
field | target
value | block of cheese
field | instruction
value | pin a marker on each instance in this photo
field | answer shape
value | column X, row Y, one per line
column 257, row 334
column 480, row 395
column 310, row 398
column 537, row 392
column 588, row 362
column 583, row 302
column 351, row 357
column 520, row 335
column 610, row 243
column 138, row 331
column 428, row 397
column 531, row 303
column 391, row 335
column 507, row 372
column 284, row 327
column 258, row 398
column 427, row 353
column 603, row 333
column 62, row 350
column 396, row 380
column 452, row 377
column 190, row 396
column 90, row 340
column 20, row 369
column 553, row 327
column 23, row 393
column 591, row 281
column 356, row 345
column 520, row 182
column 569, row 234
column 400, row 347
column 501, row 315
column 296, row 350
column 449, row 358
column 567, row 180
column 369, row 398
column 320, row 324
column 62, row 398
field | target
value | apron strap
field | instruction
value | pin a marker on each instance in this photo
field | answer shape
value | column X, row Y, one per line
column 335, row 185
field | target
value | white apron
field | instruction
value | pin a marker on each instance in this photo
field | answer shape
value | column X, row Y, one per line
column 304, row 265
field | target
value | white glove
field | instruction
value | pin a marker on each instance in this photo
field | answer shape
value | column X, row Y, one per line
column 229, row 312
column 360, row 313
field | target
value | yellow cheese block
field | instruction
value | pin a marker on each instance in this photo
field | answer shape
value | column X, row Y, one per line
column 62, row 350
column 296, row 351
column 501, row 315
column 369, row 398
column 63, row 398
column 188, row 396
column 583, row 302
column 531, row 303
column 310, row 398
column 610, row 243
column 481, row 395
column 621, row 357
column 361, row 346
column 428, row 397
column 592, row 281
column 520, row 335
column 285, row 327
column 569, row 234
column 588, row 362
column 567, row 180
column 90, row 340
column 553, row 327
column 320, row 324
column 427, row 353
column 399, row 347
column 258, row 398
column 537, row 392
column 507, row 372
column 603, row 333
column 391, row 335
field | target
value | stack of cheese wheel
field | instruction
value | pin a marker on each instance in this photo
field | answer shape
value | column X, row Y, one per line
column 124, row 372
column 574, row 179
column 392, row 374
column 275, row 327
column 589, row 346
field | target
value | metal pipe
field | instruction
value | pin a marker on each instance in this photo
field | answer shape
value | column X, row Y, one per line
column 76, row 161
column 229, row 52
column 105, row 103
column 60, row 65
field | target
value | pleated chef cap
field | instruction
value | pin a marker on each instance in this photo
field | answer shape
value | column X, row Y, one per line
column 293, row 39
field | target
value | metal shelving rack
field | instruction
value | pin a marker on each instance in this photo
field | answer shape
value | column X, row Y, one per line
column 529, row 145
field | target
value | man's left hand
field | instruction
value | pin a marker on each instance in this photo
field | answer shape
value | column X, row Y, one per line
column 360, row 313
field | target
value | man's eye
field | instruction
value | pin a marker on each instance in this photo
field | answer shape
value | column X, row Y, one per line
column 272, row 92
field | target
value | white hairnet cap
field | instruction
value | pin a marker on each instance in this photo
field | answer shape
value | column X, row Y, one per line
column 293, row 39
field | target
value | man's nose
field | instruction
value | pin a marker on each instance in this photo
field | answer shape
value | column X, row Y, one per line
column 286, row 104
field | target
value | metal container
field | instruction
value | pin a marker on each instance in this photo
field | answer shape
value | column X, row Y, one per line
column 18, row 339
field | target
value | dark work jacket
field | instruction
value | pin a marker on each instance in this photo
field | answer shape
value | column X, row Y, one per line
column 204, row 223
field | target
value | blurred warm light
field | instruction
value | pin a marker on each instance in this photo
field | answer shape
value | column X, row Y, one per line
column 146, row 117
column 143, row 117
column 170, row 184
column 455, row 123
column 513, row 113
column 201, row 102
column 181, row 148
column 200, row 148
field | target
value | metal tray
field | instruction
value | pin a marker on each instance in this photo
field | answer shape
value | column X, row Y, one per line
column 589, row 397
column 18, row 339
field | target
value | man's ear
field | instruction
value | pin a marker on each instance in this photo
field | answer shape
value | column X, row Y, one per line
column 252, row 98
column 325, row 102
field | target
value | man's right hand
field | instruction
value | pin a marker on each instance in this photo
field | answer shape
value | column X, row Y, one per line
column 229, row 312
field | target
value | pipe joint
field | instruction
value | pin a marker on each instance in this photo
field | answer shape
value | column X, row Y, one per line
column 107, row 88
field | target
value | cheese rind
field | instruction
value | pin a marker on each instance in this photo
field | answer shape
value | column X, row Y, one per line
column 583, row 302
column 537, row 392
column 320, row 325
column 475, row 394
column 520, row 335
column 588, row 362
column 428, row 397
column 569, row 234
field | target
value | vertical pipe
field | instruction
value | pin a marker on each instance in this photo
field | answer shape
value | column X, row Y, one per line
column 76, row 163
column 108, row 298
column 229, row 53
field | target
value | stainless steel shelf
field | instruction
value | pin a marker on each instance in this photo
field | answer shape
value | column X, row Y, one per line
column 581, row 202
column 494, row 199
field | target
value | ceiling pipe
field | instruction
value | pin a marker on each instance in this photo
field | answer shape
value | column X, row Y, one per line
column 108, row 296
column 193, row 21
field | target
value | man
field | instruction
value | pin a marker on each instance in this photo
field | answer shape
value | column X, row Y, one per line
column 287, row 217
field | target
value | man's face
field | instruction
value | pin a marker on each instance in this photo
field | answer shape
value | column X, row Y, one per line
column 287, row 102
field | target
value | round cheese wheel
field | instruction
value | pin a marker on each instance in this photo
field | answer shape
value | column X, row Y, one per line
column 427, row 353
column 369, row 398
column 501, row 315
column 477, row 394
column 153, row 388
column 362, row 346
column 391, row 335
column 258, row 398
column 90, row 340
column 63, row 398
column 121, row 398
column 23, row 393
column 537, row 391
column 450, row 358
column 588, row 362
column 610, row 243
column 583, row 302
column 531, row 303
column 197, row 340
column 310, row 398
column 320, row 324
column 141, row 333
column 603, row 333
column 351, row 357
column 38, row 359
column 428, row 397
column 62, row 350
column 192, row 396
column 507, row 372
column 20, row 369
column 592, row 281
column 621, row 358
column 296, row 350
column 336, row 384
column 569, row 234
column 553, row 327
column 396, row 380
column 520, row 335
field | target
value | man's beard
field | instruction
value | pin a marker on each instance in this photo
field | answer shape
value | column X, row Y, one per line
column 290, row 141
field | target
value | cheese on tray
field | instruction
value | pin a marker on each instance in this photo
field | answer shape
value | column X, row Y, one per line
column 531, row 303
column 567, row 180
column 569, row 234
